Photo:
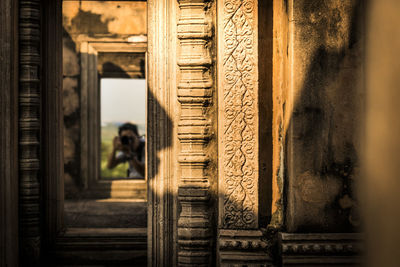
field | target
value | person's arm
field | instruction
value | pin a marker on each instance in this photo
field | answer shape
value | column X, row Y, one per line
column 139, row 166
column 113, row 161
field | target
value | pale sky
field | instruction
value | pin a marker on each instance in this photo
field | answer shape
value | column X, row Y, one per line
column 123, row 100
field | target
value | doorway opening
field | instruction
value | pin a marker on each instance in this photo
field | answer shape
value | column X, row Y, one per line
column 74, row 60
column 104, row 89
column 122, row 103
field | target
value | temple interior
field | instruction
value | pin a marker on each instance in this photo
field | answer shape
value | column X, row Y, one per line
column 199, row 133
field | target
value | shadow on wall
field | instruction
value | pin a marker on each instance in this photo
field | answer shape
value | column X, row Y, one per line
column 323, row 136
column 111, row 69
column 72, row 114
column 89, row 23
column 117, row 71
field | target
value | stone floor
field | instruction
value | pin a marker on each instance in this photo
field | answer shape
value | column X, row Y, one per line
column 103, row 213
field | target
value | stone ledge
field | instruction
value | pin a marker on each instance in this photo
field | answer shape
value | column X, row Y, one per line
column 243, row 247
column 320, row 249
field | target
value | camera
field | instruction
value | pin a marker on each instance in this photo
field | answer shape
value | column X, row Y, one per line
column 126, row 140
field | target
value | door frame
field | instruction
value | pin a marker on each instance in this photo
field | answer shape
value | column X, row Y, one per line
column 32, row 165
column 161, row 133
column 161, row 204
column 55, row 242
column 184, row 185
column 91, row 111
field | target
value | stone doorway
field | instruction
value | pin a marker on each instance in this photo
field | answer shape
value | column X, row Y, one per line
column 189, row 214
column 207, row 204
column 104, row 87
column 104, row 216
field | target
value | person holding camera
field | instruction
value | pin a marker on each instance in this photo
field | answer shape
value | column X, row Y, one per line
column 128, row 147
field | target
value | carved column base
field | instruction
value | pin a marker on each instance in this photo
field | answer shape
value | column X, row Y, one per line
column 243, row 247
column 320, row 249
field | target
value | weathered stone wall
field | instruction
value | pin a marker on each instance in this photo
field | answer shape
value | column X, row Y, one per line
column 318, row 60
column 93, row 21
column 105, row 18
column 71, row 108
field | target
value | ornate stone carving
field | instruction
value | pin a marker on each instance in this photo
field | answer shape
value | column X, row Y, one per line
column 29, row 128
column 195, row 93
column 235, row 240
column 238, row 133
column 306, row 249
column 243, row 247
column 241, row 242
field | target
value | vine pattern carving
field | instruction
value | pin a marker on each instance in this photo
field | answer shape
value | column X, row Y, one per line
column 240, row 151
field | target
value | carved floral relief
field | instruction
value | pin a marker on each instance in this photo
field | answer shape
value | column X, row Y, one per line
column 239, row 118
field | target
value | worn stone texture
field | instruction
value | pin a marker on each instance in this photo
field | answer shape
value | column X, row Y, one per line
column 238, row 115
column 105, row 17
column 71, row 110
column 317, row 101
column 325, row 101
column 321, row 249
column 279, row 109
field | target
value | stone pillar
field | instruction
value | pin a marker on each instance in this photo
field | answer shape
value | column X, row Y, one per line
column 195, row 95
column 240, row 238
column 29, row 130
